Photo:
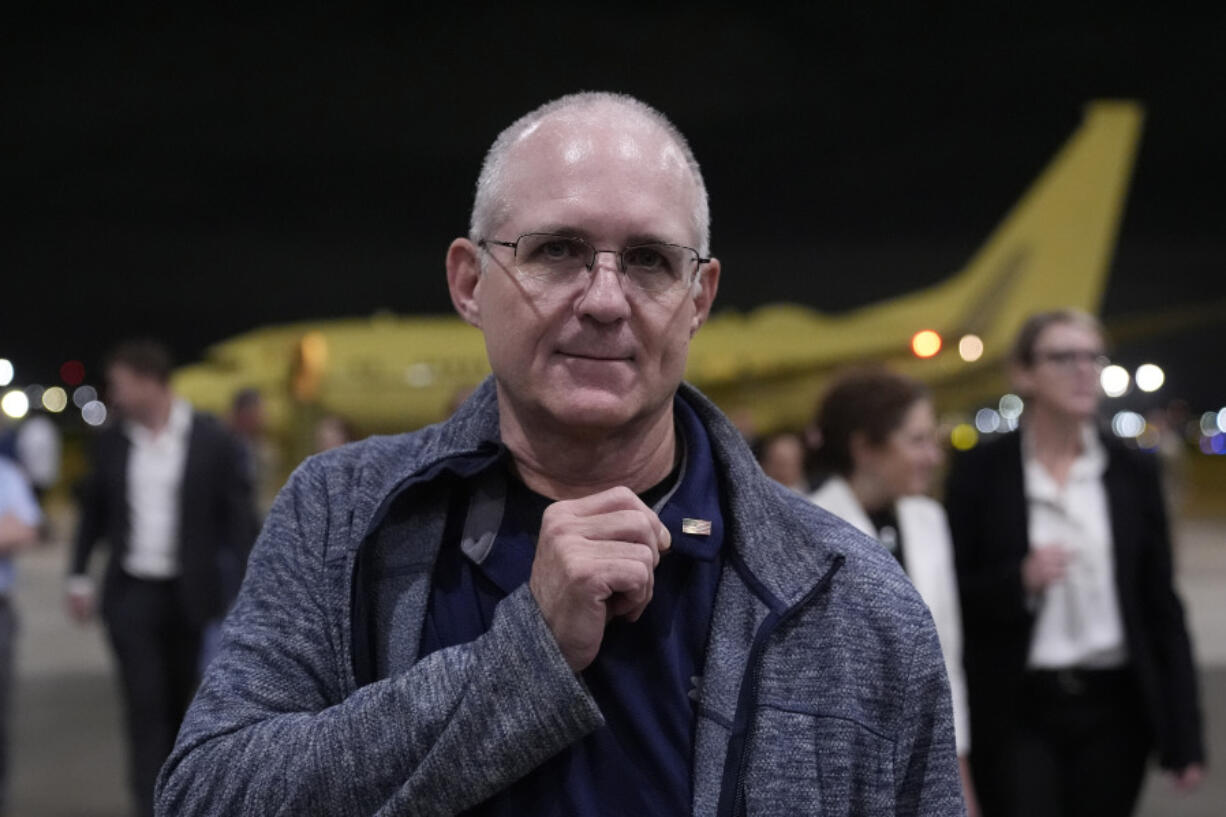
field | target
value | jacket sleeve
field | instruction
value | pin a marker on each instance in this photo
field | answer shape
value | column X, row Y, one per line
column 273, row 732
column 990, row 588
column 925, row 762
column 92, row 523
column 1180, row 741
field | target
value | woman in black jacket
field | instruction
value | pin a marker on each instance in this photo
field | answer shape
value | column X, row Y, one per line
column 1077, row 658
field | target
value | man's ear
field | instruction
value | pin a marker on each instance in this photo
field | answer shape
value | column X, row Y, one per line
column 463, row 276
column 704, row 293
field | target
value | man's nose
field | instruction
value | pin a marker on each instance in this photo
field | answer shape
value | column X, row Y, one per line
column 605, row 299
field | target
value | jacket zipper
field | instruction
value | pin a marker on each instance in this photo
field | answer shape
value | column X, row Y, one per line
column 753, row 678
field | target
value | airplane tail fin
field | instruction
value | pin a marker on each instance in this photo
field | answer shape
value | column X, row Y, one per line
column 1053, row 249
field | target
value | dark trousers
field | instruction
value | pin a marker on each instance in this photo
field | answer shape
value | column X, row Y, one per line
column 157, row 649
column 1079, row 747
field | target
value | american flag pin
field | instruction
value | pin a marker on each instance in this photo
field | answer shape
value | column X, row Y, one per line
column 696, row 527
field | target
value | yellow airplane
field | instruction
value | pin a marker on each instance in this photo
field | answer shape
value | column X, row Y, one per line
column 390, row 373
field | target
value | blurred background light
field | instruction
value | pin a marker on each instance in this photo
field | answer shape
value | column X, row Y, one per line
column 1114, row 380
column 34, row 394
column 925, row 343
column 6, row 371
column 1127, row 424
column 987, row 421
column 73, row 373
column 93, row 413
column 83, row 395
column 55, row 399
column 963, row 437
column 1210, row 423
column 1150, row 438
column 1150, row 377
column 1221, row 420
column 1215, row 444
column 15, row 404
column 1011, row 407
column 419, row 375
column 970, row 348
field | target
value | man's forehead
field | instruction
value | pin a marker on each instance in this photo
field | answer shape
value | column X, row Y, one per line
column 574, row 137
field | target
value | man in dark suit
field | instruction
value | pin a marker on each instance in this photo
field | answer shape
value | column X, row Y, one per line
column 1078, row 660
column 169, row 492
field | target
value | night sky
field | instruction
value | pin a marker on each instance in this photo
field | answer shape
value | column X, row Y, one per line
column 193, row 177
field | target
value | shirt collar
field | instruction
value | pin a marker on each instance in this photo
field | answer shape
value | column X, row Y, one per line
column 177, row 424
column 690, row 507
column 691, row 511
column 1089, row 465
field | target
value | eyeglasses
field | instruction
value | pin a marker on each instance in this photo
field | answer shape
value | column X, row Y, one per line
column 551, row 260
column 1070, row 358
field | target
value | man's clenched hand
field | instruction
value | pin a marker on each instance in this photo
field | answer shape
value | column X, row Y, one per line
column 595, row 560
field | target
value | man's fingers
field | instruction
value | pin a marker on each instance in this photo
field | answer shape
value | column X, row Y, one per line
column 625, row 526
column 630, row 585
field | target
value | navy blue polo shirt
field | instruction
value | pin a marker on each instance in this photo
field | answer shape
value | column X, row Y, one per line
column 640, row 761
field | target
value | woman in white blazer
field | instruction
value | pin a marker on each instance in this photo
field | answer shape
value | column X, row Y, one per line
column 879, row 445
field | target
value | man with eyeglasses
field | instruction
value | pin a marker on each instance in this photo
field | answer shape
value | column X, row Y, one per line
column 579, row 595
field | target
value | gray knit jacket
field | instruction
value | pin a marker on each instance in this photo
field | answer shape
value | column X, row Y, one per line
column 823, row 691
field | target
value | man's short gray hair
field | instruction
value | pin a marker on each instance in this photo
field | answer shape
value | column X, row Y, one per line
column 490, row 204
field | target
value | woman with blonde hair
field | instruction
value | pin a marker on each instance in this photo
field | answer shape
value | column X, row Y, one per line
column 1078, row 661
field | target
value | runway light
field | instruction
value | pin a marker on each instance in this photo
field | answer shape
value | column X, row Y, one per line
column 6, row 371
column 963, row 437
column 1114, row 380
column 15, row 404
column 1150, row 377
column 93, row 413
column 73, row 372
column 55, row 399
column 925, row 343
column 1128, row 424
column 1011, row 407
column 987, row 421
column 82, row 395
column 970, row 348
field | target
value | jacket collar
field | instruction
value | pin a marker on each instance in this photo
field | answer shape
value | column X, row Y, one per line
column 785, row 551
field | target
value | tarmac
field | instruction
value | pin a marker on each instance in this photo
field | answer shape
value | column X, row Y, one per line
column 67, row 751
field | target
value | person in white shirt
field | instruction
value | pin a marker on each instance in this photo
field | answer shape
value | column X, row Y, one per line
column 877, row 433
column 1077, row 656
column 171, row 494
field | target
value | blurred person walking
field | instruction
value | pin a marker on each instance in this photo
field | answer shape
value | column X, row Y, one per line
column 171, row 493
column 39, row 452
column 1078, row 660
column 248, row 421
column 782, row 457
column 878, row 442
column 19, row 523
